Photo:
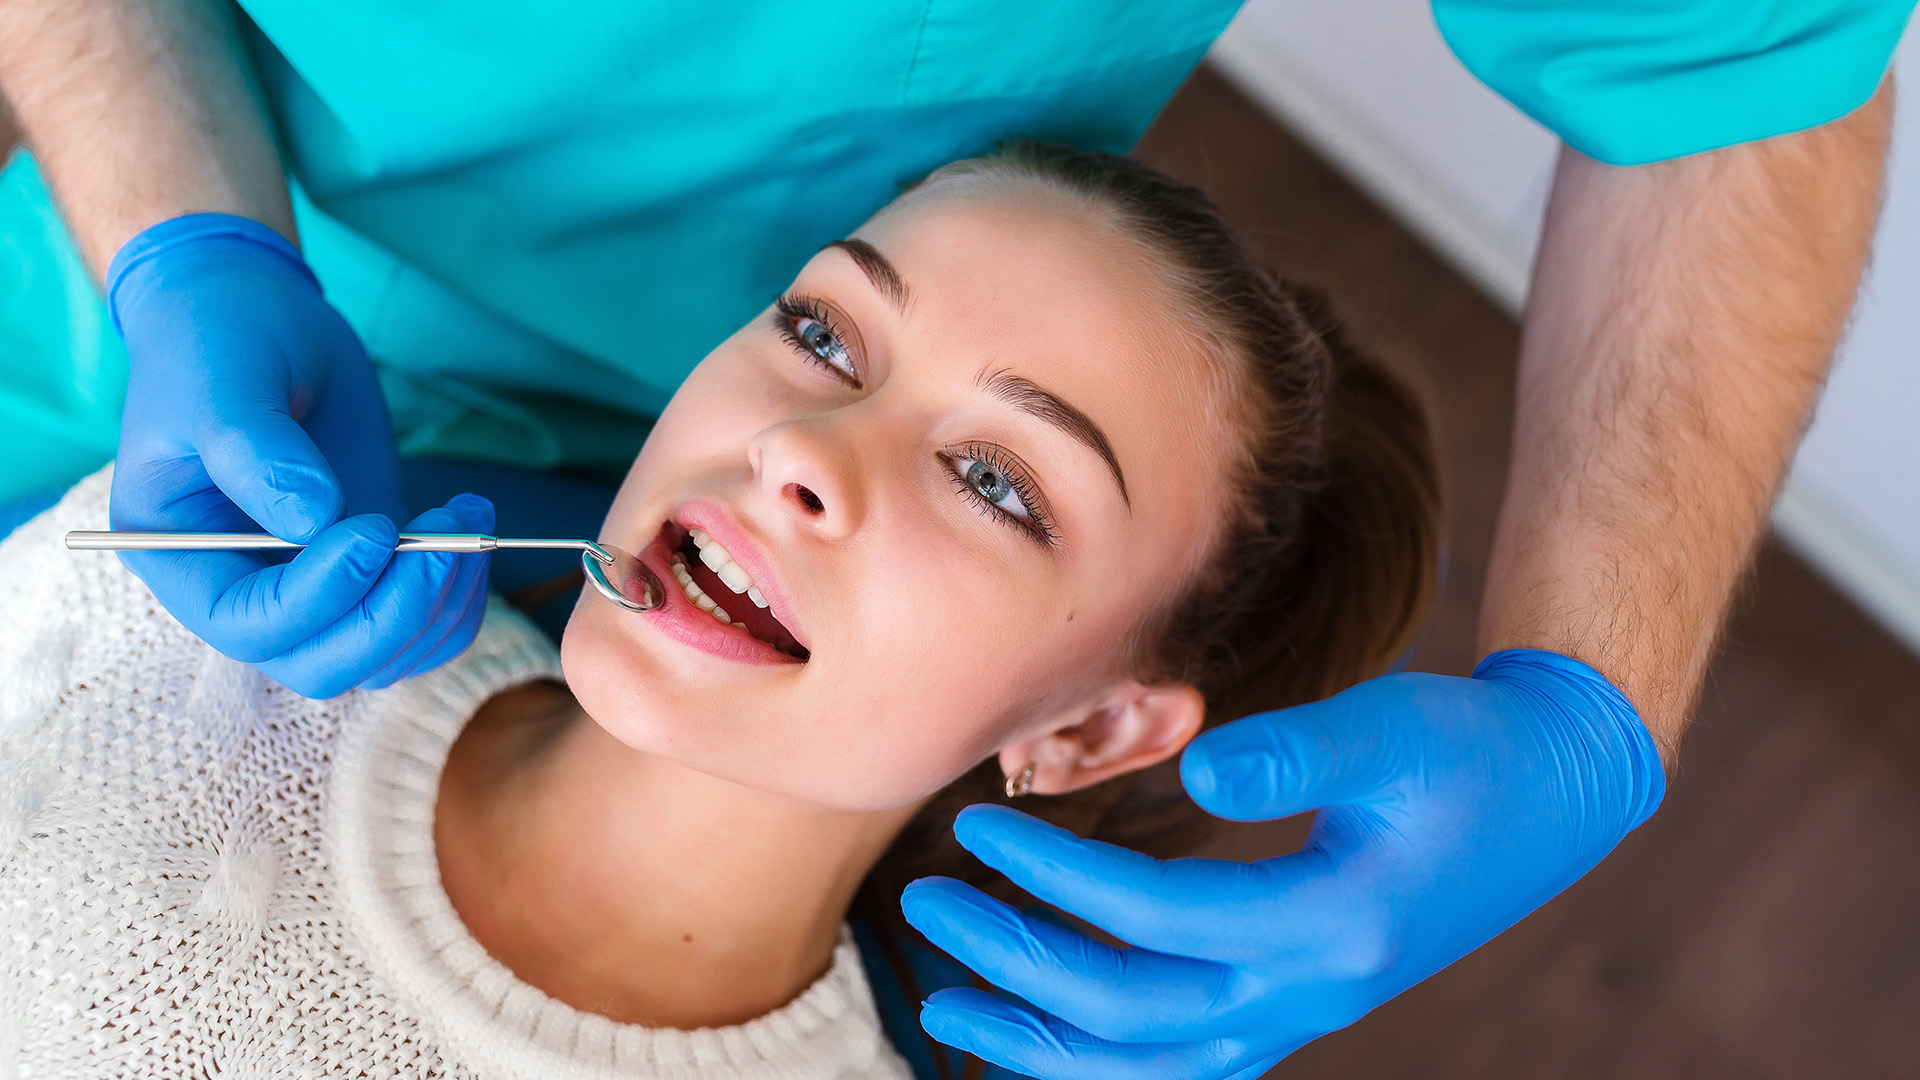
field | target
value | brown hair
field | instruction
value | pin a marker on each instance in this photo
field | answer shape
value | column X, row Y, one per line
column 1326, row 565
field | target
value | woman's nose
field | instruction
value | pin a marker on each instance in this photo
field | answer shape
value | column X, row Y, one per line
column 812, row 477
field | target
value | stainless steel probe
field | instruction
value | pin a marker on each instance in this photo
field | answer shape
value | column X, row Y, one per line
column 618, row 575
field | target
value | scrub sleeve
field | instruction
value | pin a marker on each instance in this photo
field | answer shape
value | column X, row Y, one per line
column 63, row 370
column 1629, row 82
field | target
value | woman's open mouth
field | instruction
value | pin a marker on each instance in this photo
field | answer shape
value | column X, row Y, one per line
column 713, row 584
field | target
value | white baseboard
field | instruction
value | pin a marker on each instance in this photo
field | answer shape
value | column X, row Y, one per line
column 1807, row 520
column 1824, row 535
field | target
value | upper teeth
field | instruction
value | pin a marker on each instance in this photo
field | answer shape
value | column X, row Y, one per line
column 724, row 568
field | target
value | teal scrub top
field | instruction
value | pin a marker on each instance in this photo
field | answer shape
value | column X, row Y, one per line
column 539, row 217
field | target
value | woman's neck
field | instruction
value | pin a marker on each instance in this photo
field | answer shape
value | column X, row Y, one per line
column 626, row 885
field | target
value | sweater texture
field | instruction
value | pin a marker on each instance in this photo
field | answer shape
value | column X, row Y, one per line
column 204, row 874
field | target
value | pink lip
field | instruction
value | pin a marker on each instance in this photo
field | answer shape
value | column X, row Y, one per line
column 680, row 620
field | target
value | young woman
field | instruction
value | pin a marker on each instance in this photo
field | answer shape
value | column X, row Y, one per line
column 1013, row 491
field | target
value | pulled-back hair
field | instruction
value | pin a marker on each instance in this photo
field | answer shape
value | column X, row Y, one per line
column 1326, row 563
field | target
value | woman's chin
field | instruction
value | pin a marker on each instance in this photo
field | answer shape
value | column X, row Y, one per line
column 760, row 732
column 619, row 687
column 635, row 697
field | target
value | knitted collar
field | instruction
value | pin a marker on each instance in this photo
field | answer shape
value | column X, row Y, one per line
column 392, row 746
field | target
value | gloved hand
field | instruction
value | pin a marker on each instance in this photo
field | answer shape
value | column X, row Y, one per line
column 250, row 405
column 1449, row 809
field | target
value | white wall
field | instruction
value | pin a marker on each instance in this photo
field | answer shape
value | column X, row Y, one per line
column 1371, row 84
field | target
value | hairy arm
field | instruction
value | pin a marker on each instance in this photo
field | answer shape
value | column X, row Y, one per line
column 140, row 111
column 1682, row 320
column 9, row 131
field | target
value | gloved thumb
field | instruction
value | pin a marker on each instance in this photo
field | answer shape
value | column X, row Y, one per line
column 270, row 468
column 1273, row 765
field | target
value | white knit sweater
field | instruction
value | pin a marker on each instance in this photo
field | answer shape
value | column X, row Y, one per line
column 203, row 874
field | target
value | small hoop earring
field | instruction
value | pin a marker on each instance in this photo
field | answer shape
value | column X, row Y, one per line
column 1020, row 783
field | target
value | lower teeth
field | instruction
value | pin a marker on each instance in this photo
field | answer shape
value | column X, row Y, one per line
column 694, row 593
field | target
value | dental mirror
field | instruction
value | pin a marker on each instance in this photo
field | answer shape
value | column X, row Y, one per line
column 617, row 575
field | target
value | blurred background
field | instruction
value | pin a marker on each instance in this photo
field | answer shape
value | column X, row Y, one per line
column 1766, row 922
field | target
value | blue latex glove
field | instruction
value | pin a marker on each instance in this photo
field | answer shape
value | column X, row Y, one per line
column 1449, row 809
column 251, row 404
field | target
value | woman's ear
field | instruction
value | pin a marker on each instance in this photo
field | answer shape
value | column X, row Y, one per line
column 1132, row 727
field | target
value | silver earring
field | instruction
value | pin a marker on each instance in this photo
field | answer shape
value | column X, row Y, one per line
column 1020, row 783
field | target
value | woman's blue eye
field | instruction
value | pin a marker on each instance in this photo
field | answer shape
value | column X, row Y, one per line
column 803, row 322
column 994, row 487
column 821, row 342
column 991, row 485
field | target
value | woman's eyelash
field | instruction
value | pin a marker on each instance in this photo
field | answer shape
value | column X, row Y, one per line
column 1041, row 527
column 793, row 308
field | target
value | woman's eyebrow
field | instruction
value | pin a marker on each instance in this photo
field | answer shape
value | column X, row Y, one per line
column 1020, row 392
column 878, row 270
column 1029, row 397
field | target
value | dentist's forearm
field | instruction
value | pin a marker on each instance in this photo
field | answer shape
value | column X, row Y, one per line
column 9, row 130
column 139, row 111
column 1682, row 321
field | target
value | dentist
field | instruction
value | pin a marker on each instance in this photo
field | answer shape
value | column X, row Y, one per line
column 503, row 231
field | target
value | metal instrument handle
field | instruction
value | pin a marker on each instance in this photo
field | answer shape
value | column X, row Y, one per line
column 459, row 543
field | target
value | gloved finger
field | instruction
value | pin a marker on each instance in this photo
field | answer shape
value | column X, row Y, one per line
column 1308, row 907
column 1121, row 994
column 343, row 655
column 436, row 621
column 1273, row 765
column 462, row 633
column 351, row 425
column 1187, row 907
column 268, row 465
column 1026, row 1041
column 258, row 611
column 467, row 616
column 1259, row 1068
column 462, row 600
column 172, row 493
column 393, row 616
column 468, row 626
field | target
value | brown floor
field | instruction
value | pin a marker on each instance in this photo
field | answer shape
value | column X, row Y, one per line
column 1766, row 922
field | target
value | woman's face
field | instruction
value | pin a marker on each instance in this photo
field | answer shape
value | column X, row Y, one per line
column 960, row 460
